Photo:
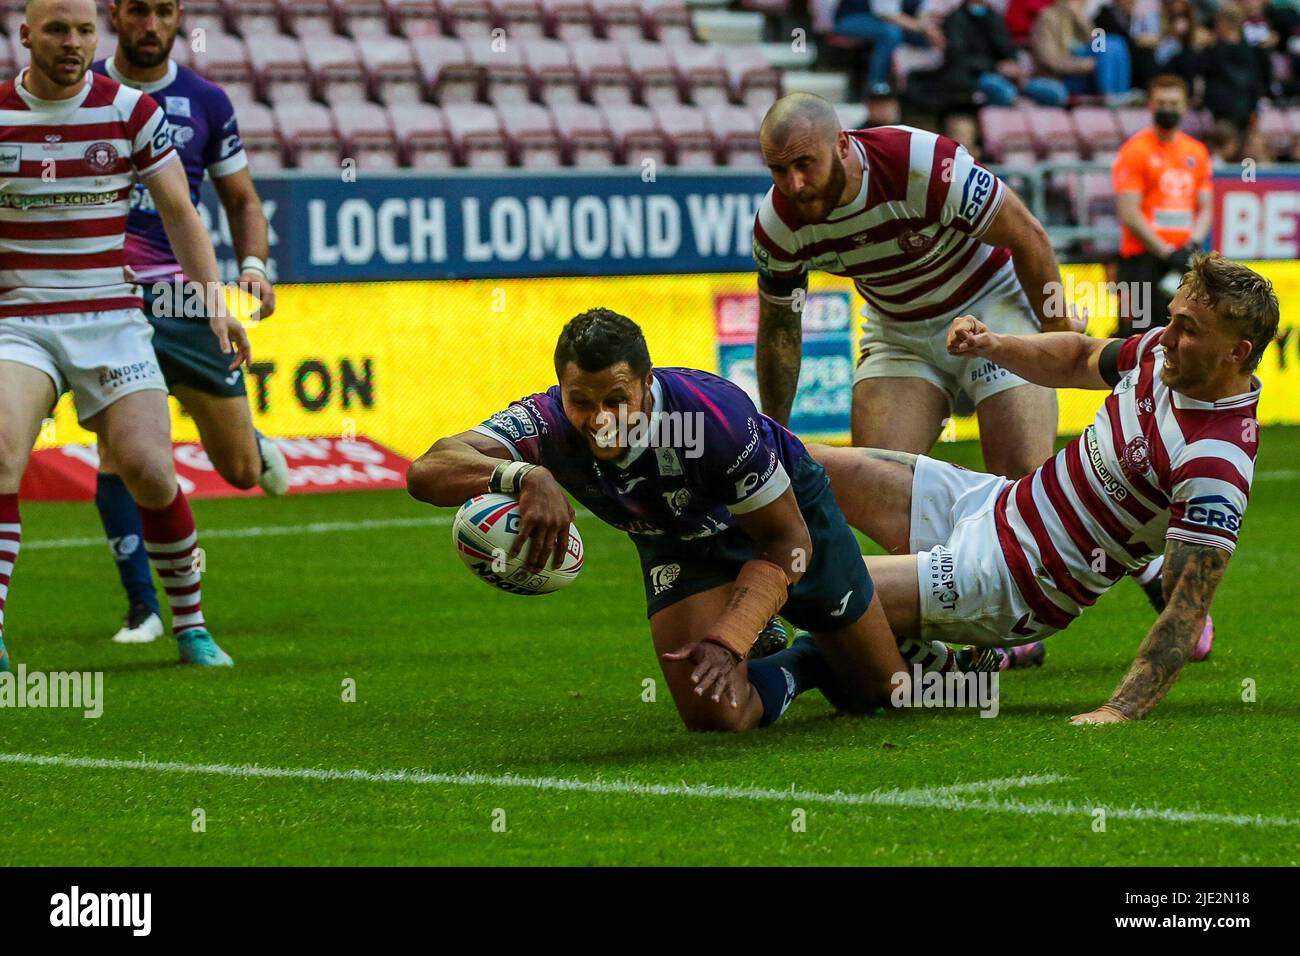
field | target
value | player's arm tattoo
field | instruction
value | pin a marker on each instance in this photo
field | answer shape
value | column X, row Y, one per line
column 777, row 356
column 1191, row 573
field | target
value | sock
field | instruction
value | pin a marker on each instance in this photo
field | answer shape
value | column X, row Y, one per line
column 933, row 656
column 260, row 438
column 121, row 520
column 781, row 677
column 170, row 538
column 11, row 532
column 1149, row 577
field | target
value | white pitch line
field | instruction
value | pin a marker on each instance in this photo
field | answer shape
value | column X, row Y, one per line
column 941, row 798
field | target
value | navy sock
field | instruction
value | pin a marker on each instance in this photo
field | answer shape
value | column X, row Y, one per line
column 781, row 677
column 121, row 519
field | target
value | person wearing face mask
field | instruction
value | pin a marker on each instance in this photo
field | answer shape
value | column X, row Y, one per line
column 1164, row 194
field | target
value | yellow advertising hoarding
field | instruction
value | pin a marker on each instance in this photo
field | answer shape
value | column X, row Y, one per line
column 405, row 363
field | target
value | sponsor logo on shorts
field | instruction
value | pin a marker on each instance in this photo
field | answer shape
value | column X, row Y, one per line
column 101, row 157
column 125, row 374
column 988, row 372
column 1112, row 485
column 664, row 576
column 942, row 588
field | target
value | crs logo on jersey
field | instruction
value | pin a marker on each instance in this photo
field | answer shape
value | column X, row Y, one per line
column 975, row 191
column 1213, row 511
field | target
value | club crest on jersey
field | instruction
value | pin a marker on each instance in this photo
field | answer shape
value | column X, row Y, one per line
column 664, row 576
column 678, row 500
column 912, row 241
column 177, row 106
column 669, row 464
column 1136, row 459
column 181, row 135
column 101, row 157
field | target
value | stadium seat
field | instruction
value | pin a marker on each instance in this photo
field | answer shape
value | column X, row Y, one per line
column 569, row 19
column 468, row 19
column 279, row 64
column 1054, row 134
column 240, row 94
column 422, row 133
column 522, row 19
column 307, row 128
column 532, row 135
column 336, row 70
column 637, row 136
column 222, row 58
column 907, row 59
column 668, row 21
column 656, row 77
column 619, row 19
column 551, row 70
column 1006, row 132
column 586, row 136
column 753, row 80
column 477, row 136
column 367, row 135
column 8, row 68
column 254, row 18
column 446, row 70
column 688, row 132
column 735, row 131
column 1098, row 128
column 206, row 15
column 362, row 18
column 390, row 69
column 1132, row 120
column 503, row 68
column 701, row 72
column 771, row 8
column 308, row 18
column 1276, row 130
column 607, row 80
column 415, row 18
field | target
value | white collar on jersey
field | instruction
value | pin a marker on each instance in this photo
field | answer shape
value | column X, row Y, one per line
column 36, row 103
column 635, row 452
column 859, row 201
column 1232, row 401
column 111, row 68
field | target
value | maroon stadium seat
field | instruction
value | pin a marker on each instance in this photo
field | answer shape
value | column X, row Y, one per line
column 656, row 76
column 551, row 70
column 586, row 135
column 415, row 18
column 224, row 58
column 468, row 19
column 735, row 130
column 477, row 135
column 532, row 135
column 701, row 71
column 255, row 19
column 336, row 69
column 362, row 18
column 668, row 21
column 771, row 8
column 637, row 136
column 1054, row 134
column 569, row 19
column 390, row 68
column 261, row 138
column 422, row 134
column 1275, row 129
column 503, row 67
column 1133, row 119
column 1005, row 131
column 909, row 59
column 280, row 66
column 446, row 70
column 308, row 18
column 367, row 135
column 619, row 19
column 206, row 15
column 688, row 131
column 753, row 79
column 607, row 80
column 522, row 19
column 309, row 135
column 1098, row 128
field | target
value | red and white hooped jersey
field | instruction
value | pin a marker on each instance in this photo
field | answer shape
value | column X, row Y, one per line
column 1154, row 465
column 909, row 239
column 66, row 172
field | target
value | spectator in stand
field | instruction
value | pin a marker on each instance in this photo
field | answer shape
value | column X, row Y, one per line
column 1181, row 36
column 1230, row 69
column 882, row 107
column 1021, row 15
column 980, row 57
column 1165, row 199
column 1257, row 29
column 886, row 25
column 964, row 130
column 1224, row 143
column 1063, row 47
column 1139, row 27
column 1255, row 147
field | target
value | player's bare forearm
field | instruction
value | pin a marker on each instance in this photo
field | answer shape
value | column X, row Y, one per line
column 454, row 470
column 1015, row 228
column 1191, row 574
column 777, row 357
column 170, row 192
column 249, row 233
column 781, row 534
column 1053, row 359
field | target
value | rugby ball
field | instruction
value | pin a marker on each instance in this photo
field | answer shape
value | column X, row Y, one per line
column 484, row 532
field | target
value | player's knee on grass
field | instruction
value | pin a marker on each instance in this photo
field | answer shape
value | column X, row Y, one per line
column 700, row 714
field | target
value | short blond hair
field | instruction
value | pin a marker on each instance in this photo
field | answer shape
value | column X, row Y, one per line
column 1239, row 296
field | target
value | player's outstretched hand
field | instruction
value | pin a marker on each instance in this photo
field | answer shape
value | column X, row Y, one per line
column 969, row 336
column 1105, row 714
column 230, row 332
column 260, row 287
column 544, row 517
column 715, row 671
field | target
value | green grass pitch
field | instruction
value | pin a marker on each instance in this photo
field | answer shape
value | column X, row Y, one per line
column 521, row 727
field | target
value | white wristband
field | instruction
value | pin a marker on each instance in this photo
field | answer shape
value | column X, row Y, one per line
column 253, row 264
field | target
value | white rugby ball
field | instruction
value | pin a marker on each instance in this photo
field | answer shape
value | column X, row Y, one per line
column 484, row 532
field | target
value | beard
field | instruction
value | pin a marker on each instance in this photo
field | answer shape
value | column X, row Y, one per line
column 50, row 69
column 144, row 60
column 818, row 208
